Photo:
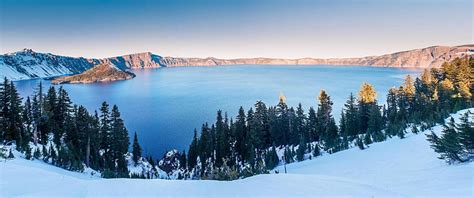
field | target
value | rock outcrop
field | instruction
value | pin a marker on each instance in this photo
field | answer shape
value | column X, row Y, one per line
column 104, row 72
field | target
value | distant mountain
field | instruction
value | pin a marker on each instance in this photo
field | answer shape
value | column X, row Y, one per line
column 27, row 64
column 104, row 72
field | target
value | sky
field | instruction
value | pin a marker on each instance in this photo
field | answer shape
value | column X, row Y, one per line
column 233, row 28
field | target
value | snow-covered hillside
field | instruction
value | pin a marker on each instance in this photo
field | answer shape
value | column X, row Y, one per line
column 394, row 168
column 27, row 64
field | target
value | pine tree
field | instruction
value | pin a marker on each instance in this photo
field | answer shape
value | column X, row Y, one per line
column 301, row 149
column 119, row 141
column 15, row 125
column 351, row 120
column 448, row 145
column 316, row 150
column 271, row 159
column 311, row 125
column 192, row 152
column 136, row 149
column 332, row 140
column 4, row 109
column 323, row 115
column 375, row 124
column 240, row 131
column 367, row 98
column 182, row 160
column 37, row 153
column 466, row 133
column 28, row 155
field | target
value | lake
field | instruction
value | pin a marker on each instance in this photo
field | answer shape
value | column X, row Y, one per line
column 165, row 105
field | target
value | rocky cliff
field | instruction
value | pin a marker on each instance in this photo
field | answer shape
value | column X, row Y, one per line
column 27, row 64
column 104, row 72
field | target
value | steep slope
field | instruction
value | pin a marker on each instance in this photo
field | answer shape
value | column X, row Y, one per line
column 104, row 72
column 28, row 64
column 394, row 168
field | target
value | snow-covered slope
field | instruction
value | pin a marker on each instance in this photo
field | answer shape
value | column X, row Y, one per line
column 27, row 64
column 394, row 168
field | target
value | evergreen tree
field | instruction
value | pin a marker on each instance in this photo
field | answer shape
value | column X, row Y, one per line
column 351, row 121
column 4, row 110
column 192, row 152
column 119, row 141
column 37, row 153
column 466, row 133
column 301, row 149
column 136, row 149
column 375, row 124
column 312, row 125
column 323, row 116
column 28, row 155
column 448, row 145
column 271, row 159
column 367, row 98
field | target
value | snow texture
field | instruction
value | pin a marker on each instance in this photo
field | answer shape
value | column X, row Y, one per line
column 395, row 168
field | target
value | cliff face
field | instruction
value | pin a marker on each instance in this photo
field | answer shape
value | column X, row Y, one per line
column 105, row 72
column 28, row 64
column 418, row 58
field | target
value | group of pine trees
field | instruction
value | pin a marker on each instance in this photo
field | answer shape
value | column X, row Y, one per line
column 456, row 143
column 229, row 149
column 64, row 134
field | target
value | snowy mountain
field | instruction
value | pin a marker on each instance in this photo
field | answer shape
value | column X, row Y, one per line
column 27, row 64
column 394, row 168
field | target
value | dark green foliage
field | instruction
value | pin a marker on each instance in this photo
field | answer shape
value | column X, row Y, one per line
column 447, row 145
column 360, row 143
column 375, row 124
column 136, row 149
column 466, row 132
column 301, row 149
column 271, row 158
column 28, row 155
column 455, row 143
column 316, row 151
column 79, row 137
column 37, row 153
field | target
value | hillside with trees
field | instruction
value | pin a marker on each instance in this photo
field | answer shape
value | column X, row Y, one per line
column 254, row 142
column 234, row 148
column 64, row 134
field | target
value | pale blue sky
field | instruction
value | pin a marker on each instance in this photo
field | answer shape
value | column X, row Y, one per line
column 233, row 28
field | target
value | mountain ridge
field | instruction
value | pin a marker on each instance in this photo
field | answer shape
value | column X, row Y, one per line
column 28, row 64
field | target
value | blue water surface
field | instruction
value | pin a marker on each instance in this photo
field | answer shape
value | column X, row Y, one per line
column 164, row 105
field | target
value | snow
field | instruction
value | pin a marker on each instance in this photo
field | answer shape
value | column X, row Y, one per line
column 27, row 64
column 395, row 168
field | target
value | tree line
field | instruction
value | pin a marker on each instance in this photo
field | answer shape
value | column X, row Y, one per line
column 230, row 149
column 68, row 136
column 65, row 134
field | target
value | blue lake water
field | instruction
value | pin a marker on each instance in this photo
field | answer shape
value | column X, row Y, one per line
column 164, row 105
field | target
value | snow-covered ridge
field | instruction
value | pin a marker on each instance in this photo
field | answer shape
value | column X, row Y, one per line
column 27, row 64
column 394, row 168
